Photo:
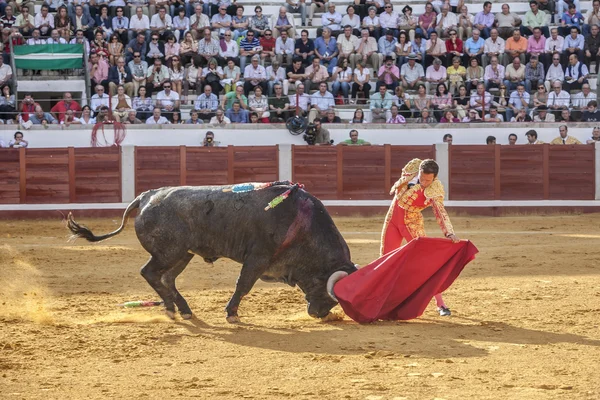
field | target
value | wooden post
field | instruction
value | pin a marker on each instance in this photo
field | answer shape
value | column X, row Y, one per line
column 387, row 183
column 340, row 172
column 182, row 165
column 497, row 167
column 449, row 188
column 546, row 170
column 230, row 170
column 293, row 163
column 22, row 175
column 277, row 160
column 72, row 186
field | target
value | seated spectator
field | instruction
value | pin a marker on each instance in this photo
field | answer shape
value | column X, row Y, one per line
column 284, row 49
column 331, row 118
column 592, row 46
column 156, row 76
column 86, row 117
column 535, row 18
column 342, row 76
column 99, row 99
column 131, row 118
column 157, row 118
column 494, row 47
column 161, row 23
column 521, row 116
column 331, row 20
column 448, row 118
column 480, row 99
column 98, row 69
column 553, row 48
column 193, row 80
column 402, row 100
column 570, row 19
column 345, row 43
column 239, row 23
column 543, row 115
column 194, row 118
column 441, row 101
column 536, row 44
column 219, row 118
column 574, row 44
column 121, row 104
column 139, row 24
column 279, row 105
column 137, row 45
column 326, row 50
column 435, row 48
column 494, row 74
column 120, row 75
column 39, row 117
column 564, row 137
column 403, row 49
column 171, row 50
column 209, row 48
column 456, row 75
column 565, row 116
column 320, row 102
column 103, row 23
column 519, row 99
column 259, row 23
column 427, row 22
column 358, row 117
column 284, row 21
column 446, row 21
column 168, row 100
column 420, row 100
column 462, row 102
column 232, row 75
column 386, row 46
column 120, row 24
column 541, row 96
column 212, row 75
column 472, row 117
column 229, row 49
column 354, row 140
column 18, row 141
column 236, row 114
column 206, row 104
column 474, row 75
column 465, row 23
column 267, row 44
column 259, row 104
column 237, row 95
column 494, row 116
column 139, row 71
column 408, row 22
column 435, row 75
column 156, row 49
column 103, row 116
column 425, row 117
column 275, row 75
column 395, row 117
column 595, row 134
column 581, row 100
column 365, row 51
column 25, row 21
column 44, row 21
column 315, row 75
column 360, row 83
column 506, row 22
column 558, row 99
column 188, row 49
column 67, row 103
column 295, row 75
column 532, row 137
column 534, row 74
column 8, row 106
column 300, row 100
column 412, row 74
column 298, row 7
column 372, row 24
column 514, row 74
column 555, row 72
column 576, row 74
column 255, row 75
column 381, row 104
column 304, row 48
column 176, row 118
column 474, row 47
column 143, row 105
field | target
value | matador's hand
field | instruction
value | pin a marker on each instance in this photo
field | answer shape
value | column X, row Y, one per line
column 454, row 238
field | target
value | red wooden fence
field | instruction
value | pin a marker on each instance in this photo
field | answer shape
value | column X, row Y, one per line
column 540, row 172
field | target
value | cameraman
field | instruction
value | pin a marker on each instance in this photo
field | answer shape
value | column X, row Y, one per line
column 209, row 140
column 321, row 134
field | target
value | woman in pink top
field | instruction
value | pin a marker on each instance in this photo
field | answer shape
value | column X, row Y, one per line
column 441, row 101
column 427, row 21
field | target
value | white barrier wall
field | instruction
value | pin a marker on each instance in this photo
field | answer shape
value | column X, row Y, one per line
column 265, row 134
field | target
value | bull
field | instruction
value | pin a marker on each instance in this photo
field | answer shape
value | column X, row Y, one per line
column 295, row 242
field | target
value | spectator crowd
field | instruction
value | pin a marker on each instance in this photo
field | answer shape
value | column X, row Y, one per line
column 448, row 65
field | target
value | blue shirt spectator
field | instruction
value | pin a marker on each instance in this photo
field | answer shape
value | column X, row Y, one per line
column 385, row 46
column 472, row 46
column 237, row 115
column 324, row 49
column 575, row 42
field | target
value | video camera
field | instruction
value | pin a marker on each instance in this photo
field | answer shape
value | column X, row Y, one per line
column 310, row 136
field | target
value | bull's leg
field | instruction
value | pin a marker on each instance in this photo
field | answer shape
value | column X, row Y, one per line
column 152, row 272
column 248, row 276
column 168, row 279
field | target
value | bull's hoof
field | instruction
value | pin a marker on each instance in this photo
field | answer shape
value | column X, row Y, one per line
column 186, row 316
column 233, row 319
column 170, row 314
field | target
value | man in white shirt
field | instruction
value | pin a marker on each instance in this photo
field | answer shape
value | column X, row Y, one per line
column 320, row 102
column 99, row 99
column 161, row 23
column 389, row 20
column 346, row 44
column 446, row 21
column 157, row 118
column 554, row 45
column 580, row 101
column 44, row 21
column 284, row 49
column 558, row 99
column 365, row 51
column 555, row 72
column 519, row 99
column 35, row 38
column 55, row 38
column 198, row 21
column 255, row 75
column 494, row 47
column 81, row 39
column 139, row 23
column 167, row 100
column 303, row 100
column 331, row 19
column 494, row 74
column 6, row 74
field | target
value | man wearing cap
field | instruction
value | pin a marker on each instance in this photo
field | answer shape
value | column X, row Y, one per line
column 532, row 137
column 412, row 73
column 387, row 47
column 388, row 75
column 543, row 115
column 564, row 137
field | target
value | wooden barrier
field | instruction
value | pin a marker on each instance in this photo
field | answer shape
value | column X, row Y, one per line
column 540, row 172
column 352, row 172
column 173, row 166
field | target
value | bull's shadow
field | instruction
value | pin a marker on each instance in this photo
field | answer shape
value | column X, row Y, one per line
column 430, row 338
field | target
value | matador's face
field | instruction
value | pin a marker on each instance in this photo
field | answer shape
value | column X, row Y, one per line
column 425, row 179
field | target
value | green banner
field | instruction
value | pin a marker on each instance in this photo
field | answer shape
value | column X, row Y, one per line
column 49, row 56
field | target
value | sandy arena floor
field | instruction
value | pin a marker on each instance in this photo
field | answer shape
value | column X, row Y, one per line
column 525, row 323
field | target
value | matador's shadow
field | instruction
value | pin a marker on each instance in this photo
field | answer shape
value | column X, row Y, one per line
column 422, row 337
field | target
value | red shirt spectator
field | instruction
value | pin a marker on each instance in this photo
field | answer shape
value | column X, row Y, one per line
column 64, row 105
column 27, row 107
column 268, row 43
column 456, row 45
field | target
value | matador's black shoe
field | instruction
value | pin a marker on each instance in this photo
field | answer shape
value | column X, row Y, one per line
column 444, row 311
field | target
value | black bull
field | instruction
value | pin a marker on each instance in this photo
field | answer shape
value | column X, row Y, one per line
column 295, row 242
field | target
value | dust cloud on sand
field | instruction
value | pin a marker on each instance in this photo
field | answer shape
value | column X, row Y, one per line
column 525, row 323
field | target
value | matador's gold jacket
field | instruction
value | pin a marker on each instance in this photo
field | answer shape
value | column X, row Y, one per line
column 415, row 199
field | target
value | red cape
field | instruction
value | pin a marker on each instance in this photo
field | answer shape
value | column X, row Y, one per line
column 400, row 284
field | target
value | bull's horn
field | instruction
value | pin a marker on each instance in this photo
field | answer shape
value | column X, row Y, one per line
column 336, row 276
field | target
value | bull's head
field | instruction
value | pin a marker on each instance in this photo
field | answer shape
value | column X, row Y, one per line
column 320, row 295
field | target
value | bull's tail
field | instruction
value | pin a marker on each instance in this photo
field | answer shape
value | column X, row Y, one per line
column 81, row 231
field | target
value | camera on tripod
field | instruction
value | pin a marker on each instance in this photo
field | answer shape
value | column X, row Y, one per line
column 310, row 136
